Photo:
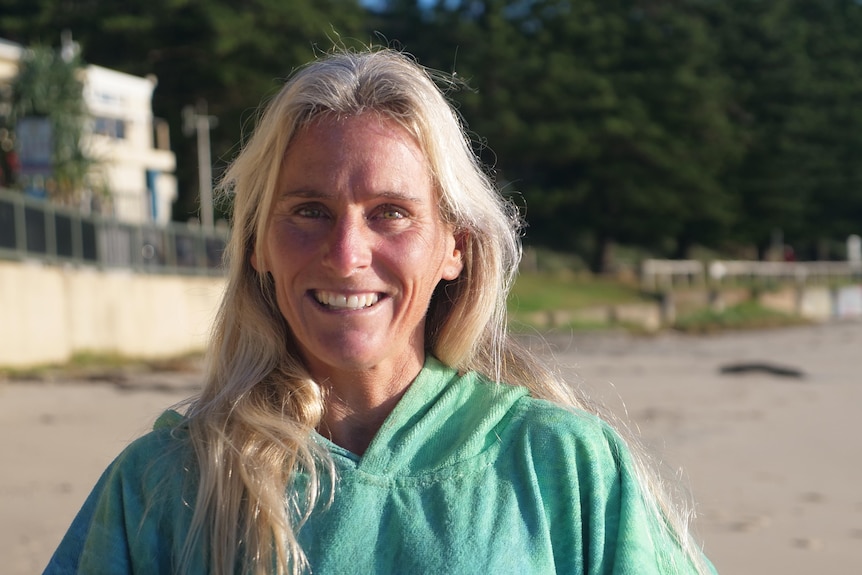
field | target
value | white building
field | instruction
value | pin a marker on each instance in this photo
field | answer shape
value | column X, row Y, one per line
column 133, row 162
column 10, row 54
column 131, row 148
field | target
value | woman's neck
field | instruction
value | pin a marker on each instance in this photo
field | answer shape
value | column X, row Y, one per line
column 357, row 404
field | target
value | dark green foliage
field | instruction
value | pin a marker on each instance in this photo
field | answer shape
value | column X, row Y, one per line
column 797, row 71
column 609, row 117
column 231, row 54
column 49, row 86
column 668, row 124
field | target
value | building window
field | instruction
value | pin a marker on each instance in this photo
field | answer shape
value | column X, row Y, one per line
column 111, row 127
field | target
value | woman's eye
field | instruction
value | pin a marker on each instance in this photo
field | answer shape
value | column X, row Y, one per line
column 391, row 213
column 310, row 212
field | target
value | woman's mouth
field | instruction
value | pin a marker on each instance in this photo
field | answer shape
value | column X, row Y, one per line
column 349, row 301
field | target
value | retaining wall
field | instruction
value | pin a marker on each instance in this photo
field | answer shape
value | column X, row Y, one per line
column 815, row 303
column 50, row 313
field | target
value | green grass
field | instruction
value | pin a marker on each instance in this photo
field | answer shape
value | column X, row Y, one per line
column 561, row 300
column 747, row 315
column 540, row 292
column 535, row 294
column 84, row 364
column 525, row 326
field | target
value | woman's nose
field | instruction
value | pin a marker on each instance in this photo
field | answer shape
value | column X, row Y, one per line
column 349, row 245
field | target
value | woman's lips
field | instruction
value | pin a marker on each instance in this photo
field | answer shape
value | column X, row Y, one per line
column 353, row 300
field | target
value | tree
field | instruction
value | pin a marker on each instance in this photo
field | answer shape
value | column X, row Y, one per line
column 833, row 128
column 230, row 54
column 797, row 77
column 609, row 117
column 762, row 51
column 48, row 85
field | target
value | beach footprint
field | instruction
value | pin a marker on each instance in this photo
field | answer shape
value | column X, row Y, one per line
column 751, row 523
column 809, row 543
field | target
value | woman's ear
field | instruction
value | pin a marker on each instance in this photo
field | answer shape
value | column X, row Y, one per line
column 254, row 263
column 453, row 263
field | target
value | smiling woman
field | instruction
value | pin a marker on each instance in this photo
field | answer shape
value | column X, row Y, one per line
column 365, row 410
column 356, row 245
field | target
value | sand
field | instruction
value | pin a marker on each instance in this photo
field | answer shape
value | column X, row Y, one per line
column 773, row 462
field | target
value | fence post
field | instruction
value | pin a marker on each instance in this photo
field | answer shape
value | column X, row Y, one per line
column 20, row 226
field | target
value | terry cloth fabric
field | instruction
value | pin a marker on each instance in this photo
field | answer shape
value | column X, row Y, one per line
column 463, row 477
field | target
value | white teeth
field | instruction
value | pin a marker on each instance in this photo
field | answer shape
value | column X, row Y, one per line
column 353, row 301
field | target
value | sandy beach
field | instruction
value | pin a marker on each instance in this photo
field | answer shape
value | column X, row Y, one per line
column 770, row 447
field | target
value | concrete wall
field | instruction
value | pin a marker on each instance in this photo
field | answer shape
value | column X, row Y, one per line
column 817, row 303
column 49, row 313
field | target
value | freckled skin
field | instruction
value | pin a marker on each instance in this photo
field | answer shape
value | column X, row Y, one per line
column 356, row 213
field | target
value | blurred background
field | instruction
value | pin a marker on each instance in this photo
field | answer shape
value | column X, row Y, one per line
column 666, row 126
column 684, row 166
column 653, row 147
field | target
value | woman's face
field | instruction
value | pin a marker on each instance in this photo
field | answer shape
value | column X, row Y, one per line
column 356, row 246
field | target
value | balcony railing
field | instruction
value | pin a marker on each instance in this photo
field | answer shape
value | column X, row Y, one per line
column 35, row 229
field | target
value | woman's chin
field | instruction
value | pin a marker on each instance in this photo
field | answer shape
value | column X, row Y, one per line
column 359, row 357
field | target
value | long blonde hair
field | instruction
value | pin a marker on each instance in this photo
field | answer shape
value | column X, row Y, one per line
column 251, row 426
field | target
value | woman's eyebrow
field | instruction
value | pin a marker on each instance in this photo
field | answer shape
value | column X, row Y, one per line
column 315, row 194
column 400, row 196
column 306, row 193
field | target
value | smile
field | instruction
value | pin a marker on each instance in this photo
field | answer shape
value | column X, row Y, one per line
column 346, row 301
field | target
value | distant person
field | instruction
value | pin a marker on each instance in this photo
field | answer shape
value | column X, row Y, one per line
column 350, row 421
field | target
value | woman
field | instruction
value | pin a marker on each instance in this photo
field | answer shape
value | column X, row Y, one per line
column 349, row 423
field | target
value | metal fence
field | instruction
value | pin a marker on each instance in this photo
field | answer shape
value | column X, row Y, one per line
column 36, row 229
column 666, row 274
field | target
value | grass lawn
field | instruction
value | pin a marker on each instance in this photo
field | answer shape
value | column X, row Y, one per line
column 540, row 292
column 533, row 294
column 746, row 315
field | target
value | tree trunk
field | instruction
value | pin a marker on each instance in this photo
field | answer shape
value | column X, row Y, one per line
column 683, row 246
column 602, row 260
